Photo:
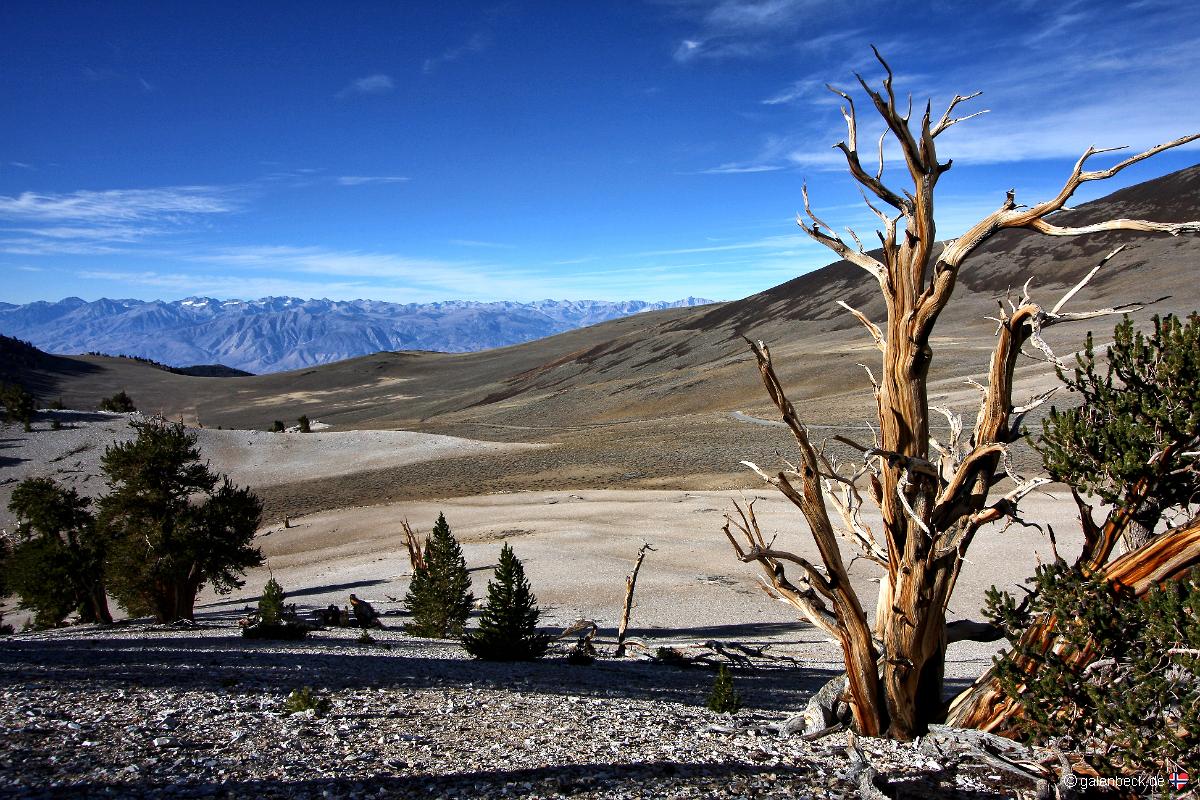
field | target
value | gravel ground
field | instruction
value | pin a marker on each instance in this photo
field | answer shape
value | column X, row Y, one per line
column 139, row 711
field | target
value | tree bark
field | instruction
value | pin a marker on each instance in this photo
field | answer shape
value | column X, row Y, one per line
column 1167, row 557
column 630, row 584
column 930, row 511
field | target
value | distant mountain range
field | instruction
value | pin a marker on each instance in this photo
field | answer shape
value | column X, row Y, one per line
column 283, row 333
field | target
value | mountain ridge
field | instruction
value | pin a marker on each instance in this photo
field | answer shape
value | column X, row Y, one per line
column 274, row 334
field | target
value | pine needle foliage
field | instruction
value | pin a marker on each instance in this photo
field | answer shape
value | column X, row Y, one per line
column 173, row 524
column 1120, row 683
column 439, row 597
column 120, row 402
column 57, row 564
column 1140, row 416
column 306, row 699
column 508, row 626
column 723, row 698
column 270, row 605
column 19, row 405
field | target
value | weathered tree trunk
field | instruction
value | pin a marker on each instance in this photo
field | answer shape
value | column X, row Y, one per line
column 630, row 585
column 1142, row 524
column 930, row 509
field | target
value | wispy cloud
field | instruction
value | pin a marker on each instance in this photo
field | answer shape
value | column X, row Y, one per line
column 727, row 29
column 738, row 169
column 378, row 83
column 99, row 223
column 476, row 44
column 361, row 180
column 118, row 205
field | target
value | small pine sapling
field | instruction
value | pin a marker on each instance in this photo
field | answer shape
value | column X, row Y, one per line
column 120, row 402
column 439, row 597
column 305, row 699
column 508, row 626
column 305, row 427
column 270, row 605
column 723, row 698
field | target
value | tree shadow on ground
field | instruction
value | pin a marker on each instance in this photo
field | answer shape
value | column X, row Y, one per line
column 337, row 662
column 311, row 590
column 668, row 778
column 10, row 444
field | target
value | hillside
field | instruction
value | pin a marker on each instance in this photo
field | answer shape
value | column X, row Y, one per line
column 646, row 400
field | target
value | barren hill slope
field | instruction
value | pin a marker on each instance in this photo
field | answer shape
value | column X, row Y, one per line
column 646, row 400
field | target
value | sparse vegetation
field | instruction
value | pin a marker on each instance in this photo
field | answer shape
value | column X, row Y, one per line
column 57, row 564
column 439, row 597
column 723, row 698
column 272, row 620
column 19, row 405
column 277, row 426
column 305, row 699
column 120, row 403
column 270, row 604
column 173, row 524
column 304, row 424
column 508, row 626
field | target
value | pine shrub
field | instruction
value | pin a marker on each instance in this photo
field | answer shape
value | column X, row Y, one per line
column 723, row 698
column 306, row 699
column 508, row 626
column 1120, row 682
column 270, row 605
column 171, row 524
column 56, row 564
column 277, row 426
column 439, row 597
column 119, row 402
column 305, row 427
column 1139, row 405
column 19, row 405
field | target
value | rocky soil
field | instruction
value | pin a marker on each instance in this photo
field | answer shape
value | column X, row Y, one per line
column 144, row 711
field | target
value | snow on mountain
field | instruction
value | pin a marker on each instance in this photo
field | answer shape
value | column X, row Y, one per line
column 272, row 334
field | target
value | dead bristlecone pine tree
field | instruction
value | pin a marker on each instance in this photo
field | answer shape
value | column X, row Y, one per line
column 932, row 496
column 439, row 597
column 508, row 626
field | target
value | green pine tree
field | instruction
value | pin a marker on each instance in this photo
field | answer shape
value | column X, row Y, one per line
column 1119, row 683
column 120, row 402
column 439, row 597
column 19, row 405
column 508, row 625
column 56, row 566
column 723, row 698
column 1140, row 417
column 270, row 605
column 173, row 524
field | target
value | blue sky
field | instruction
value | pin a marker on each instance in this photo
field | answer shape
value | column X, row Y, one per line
column 521, row 150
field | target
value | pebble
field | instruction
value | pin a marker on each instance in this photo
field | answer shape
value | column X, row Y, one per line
column 420, row 720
